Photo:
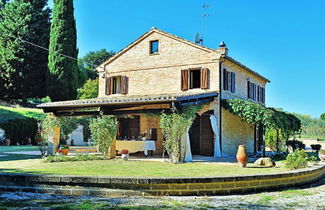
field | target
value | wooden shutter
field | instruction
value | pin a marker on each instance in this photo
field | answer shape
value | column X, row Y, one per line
column 233, row 82
column 205, row 78
column 258, row 93
column 263, row 95
column 225, row 79
column 124, row 85
column 184, row 80
column 248, row 89
column 108, row 86
column 254, row 91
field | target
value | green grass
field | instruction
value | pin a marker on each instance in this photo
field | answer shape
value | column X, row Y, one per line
column 8, row 113
column 321, row 138
column 132, row 168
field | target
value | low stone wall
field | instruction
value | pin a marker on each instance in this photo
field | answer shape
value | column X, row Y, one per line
column 106, row 186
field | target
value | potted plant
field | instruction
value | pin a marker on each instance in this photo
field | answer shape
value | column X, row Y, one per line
column 64, row 149
column 321, row 155
column 124, row 154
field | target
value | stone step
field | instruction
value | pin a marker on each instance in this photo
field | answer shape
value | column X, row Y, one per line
column 74, row 149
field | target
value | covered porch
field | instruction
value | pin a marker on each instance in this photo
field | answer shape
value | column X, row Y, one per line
column 138, row 116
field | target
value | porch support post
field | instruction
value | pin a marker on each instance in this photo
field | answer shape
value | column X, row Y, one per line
column 112, row 150
column 54, row 141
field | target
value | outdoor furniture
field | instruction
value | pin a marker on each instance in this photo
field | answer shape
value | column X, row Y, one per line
column 134, row 146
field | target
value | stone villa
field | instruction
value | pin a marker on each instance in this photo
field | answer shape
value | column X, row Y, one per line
column 159, row 71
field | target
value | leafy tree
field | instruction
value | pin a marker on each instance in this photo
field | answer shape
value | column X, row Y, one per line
column 322, row 116
column 63, row 71
column 23, row 66
column 93, row 59
column 89, row 90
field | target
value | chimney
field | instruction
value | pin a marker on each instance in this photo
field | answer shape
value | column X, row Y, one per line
column 223, row 50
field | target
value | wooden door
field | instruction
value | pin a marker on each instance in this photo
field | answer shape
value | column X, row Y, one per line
column 195, row 136
column 207, row 135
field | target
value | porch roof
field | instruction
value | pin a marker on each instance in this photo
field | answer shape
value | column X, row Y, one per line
column 117, row 102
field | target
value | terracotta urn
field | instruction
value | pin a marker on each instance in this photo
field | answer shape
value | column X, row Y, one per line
column 65, row 151
column 241, row 156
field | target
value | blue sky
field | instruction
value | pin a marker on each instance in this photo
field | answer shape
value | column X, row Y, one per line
column 282, row 40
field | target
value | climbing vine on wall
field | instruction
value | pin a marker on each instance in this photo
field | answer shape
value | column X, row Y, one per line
column 282, row 123
column 174, row 126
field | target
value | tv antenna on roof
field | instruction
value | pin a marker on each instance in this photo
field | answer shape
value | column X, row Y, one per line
column 198, row 39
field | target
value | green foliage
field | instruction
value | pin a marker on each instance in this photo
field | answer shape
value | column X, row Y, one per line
column 295, row 144
column 10, row 113
column 64, row 158
column 280, row 125
column 67, row 125
column 311, row 126
column 17, row 130
column 174, row 126
column 275, row 140
column 322, row 116
column 296, row 159
column 63, row 75
column 92, row 60
column 103, row 130
column 89, row 90
column 322, row 151
column 256, row 113
column 23, row 66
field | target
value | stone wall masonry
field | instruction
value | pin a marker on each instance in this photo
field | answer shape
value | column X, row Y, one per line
column 106, row 186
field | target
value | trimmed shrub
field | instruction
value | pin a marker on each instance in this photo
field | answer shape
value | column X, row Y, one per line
column 296, row 159
column 295, row 144
column 19, row 129
column 64, row 158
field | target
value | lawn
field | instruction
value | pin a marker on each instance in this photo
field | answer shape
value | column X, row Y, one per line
column 321, row 138
column 132, row 168
column 8, row 113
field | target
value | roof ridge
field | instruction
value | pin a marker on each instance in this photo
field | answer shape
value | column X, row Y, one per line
column 153, row 29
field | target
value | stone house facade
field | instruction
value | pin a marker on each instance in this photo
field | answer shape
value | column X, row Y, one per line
column 159, row 71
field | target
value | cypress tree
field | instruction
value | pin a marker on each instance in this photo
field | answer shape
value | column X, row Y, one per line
column 23, row 66
column 62, row 78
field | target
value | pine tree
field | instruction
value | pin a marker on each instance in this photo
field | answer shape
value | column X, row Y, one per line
column 62, row 79
column 23, row 66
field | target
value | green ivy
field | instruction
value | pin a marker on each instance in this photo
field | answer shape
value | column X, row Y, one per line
column 174, row 126
column 103, row 131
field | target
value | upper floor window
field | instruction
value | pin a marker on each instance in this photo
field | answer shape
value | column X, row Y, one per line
column 116, row 85
column 229, row 80
column 154, row 46
column 195, row 78
column 255, row 92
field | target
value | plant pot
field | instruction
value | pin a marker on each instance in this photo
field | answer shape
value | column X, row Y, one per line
column 241, row 156
column 65, row 151
column 321, row 156
column 125, row 156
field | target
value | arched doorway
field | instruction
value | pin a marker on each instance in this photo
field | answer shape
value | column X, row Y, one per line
column 202, row 136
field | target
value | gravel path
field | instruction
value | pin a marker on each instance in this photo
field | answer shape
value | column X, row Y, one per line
column 309, row 197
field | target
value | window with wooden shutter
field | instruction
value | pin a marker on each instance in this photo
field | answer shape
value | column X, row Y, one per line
column 108, row 84
column 124, row 85
column 184, row 80
column 233, row 82
column 248, row 89
column 263, row 95
column 205, row 78
column 258, row 93
column 225, row 79
column 254, row 91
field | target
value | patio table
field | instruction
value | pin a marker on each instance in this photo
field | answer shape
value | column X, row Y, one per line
column 136, row 146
